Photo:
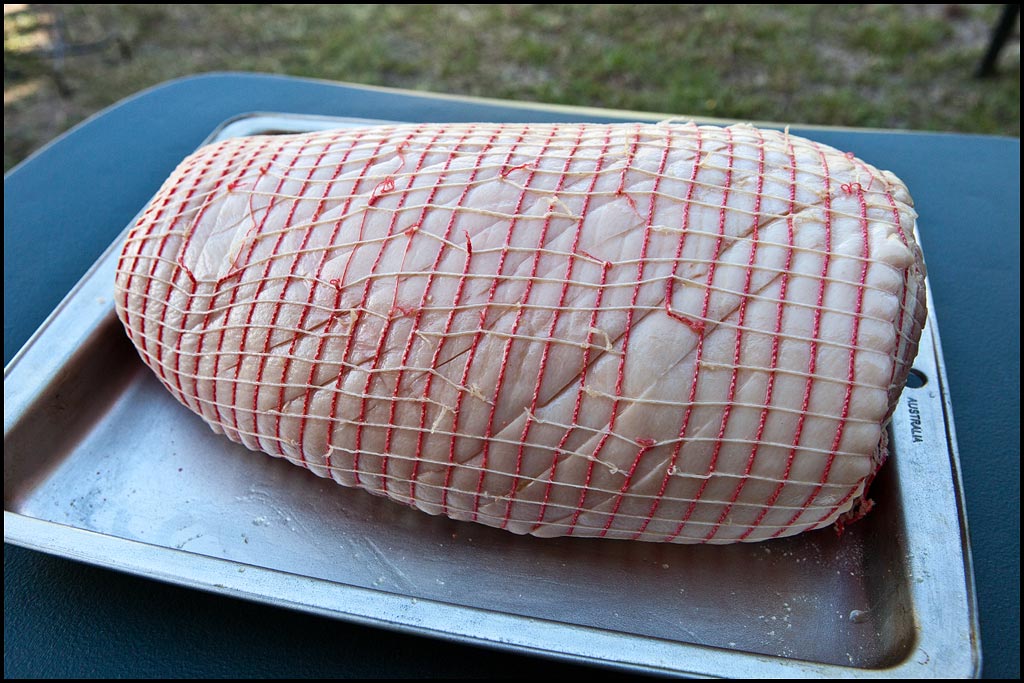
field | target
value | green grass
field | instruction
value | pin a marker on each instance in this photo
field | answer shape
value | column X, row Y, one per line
column 892, row 66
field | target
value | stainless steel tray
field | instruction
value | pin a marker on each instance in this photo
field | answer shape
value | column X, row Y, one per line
column 101, row 464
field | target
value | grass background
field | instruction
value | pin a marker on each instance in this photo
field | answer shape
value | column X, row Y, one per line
column 892, row 66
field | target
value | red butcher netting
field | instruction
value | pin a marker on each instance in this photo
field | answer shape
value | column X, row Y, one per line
column 657, row 332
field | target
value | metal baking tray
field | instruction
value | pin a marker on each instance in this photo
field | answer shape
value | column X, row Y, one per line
column 102, row 465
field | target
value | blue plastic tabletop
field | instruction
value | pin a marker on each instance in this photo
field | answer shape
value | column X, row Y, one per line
column 66, row 204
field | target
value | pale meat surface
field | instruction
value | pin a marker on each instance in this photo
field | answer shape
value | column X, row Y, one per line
column 656, row 332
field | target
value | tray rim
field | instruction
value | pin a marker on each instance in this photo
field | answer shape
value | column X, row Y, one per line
column 429, row 617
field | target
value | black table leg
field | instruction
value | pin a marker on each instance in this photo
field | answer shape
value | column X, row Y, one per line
column 999, row 36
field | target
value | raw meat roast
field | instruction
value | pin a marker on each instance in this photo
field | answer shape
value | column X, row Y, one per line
column 656, row 332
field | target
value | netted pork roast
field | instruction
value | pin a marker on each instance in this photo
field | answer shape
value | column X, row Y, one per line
column 659, row 332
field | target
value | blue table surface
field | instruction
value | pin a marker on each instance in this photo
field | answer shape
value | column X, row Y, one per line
column 66, row 204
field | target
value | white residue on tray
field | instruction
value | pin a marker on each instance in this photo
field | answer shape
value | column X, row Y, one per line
column 858, row 616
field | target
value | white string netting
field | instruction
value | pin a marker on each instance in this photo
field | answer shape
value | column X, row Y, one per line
column 661, row 332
